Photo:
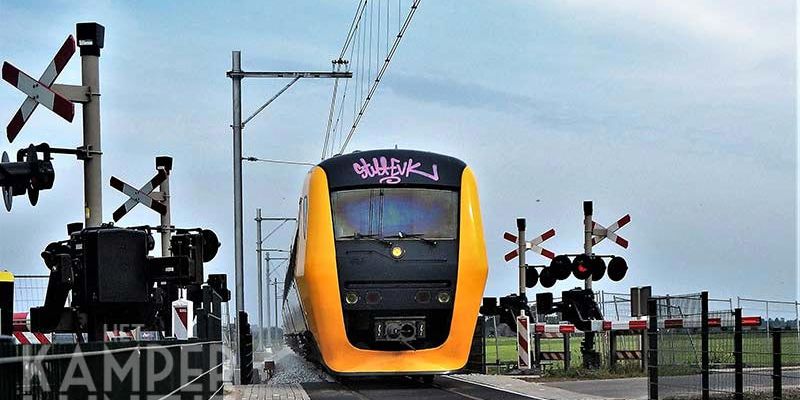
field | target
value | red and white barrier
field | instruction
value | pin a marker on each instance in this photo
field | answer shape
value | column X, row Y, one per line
column 182, row 319
column 523, row 342
column 31, row 338
column 556, row 330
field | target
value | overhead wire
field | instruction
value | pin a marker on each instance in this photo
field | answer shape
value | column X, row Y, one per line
column 361, row 44
column 374, row 86
column 275, row 230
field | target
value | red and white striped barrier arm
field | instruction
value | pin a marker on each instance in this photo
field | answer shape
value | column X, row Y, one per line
column 549, row 331
column 31, row 338
column 47, row 79
column 116, row 336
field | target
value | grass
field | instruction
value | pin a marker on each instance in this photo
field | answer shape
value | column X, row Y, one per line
column 679, row 353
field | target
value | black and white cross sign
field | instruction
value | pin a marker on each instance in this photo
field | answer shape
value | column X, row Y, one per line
column 137, row 196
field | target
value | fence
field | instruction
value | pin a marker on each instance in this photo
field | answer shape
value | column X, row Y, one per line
column 119, row 370
column 696, row 351
column 29, row 291
column 777, row 314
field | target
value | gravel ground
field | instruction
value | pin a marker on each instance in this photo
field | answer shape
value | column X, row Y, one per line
column 291, row 368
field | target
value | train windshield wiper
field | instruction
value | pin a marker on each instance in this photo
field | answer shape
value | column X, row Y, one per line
column 370, row 236
column 417, row 236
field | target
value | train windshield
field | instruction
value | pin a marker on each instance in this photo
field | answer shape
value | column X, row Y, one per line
column 395, row 212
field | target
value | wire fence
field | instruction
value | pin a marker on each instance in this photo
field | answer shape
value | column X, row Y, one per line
column 29, row 291
column 697, row 351
column 777, row 314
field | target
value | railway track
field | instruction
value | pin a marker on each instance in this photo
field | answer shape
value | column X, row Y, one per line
column 399, row 388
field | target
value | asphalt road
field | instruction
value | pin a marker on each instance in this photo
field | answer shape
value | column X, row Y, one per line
column 405, row 389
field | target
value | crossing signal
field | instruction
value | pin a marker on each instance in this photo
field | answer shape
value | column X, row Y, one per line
column 561, row 267
column 617, row 268
column 28, row 174
column 597, row 267
column 580, row 267
column 531, row 276
column 548, row 278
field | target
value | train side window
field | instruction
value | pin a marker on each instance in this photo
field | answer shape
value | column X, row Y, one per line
column 304, row 216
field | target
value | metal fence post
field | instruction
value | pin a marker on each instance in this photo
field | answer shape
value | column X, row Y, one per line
column 643, row 346
column 537, row 347
column 704, row 368
column 737, row 354
column 612, row 349
column 567, row 353
column 652, row 353
column 777, row 372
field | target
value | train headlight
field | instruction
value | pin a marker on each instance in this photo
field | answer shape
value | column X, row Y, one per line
column 397, row 252
column 443, row 297
column 351, row 298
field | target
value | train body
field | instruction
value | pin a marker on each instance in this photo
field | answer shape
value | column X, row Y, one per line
column 388, row 266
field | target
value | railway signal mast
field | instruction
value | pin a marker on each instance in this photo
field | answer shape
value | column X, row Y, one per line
column 577, row 305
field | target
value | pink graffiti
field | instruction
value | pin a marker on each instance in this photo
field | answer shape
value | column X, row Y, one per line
column 392, row 171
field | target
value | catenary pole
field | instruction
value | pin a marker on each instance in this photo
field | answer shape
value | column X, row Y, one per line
column 236, row 82
column 260, row 281
column 269, row 323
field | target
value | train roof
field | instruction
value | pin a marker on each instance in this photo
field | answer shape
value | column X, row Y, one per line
column 392, row 167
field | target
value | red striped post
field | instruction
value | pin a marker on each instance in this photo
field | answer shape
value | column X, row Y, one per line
column 523, row 342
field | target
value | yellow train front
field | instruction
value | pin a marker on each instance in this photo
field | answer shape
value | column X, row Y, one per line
column 388, row 266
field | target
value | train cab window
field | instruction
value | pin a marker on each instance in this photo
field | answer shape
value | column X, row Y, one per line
column 395, row 212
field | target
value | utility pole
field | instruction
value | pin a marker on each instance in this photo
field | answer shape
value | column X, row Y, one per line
column 237, row 75
column 587, row 237
column 269, row 323
column 521, row 250
column 276, row 303
column 91, row 40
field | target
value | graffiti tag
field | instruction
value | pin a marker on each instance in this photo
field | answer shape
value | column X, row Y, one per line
column 392, row 170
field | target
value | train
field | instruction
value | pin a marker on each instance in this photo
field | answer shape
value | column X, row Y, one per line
column 388, row 266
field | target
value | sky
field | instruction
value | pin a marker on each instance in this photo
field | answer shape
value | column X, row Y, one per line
column 682, row 114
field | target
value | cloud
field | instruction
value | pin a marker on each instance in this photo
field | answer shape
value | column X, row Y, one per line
column 749, row 26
